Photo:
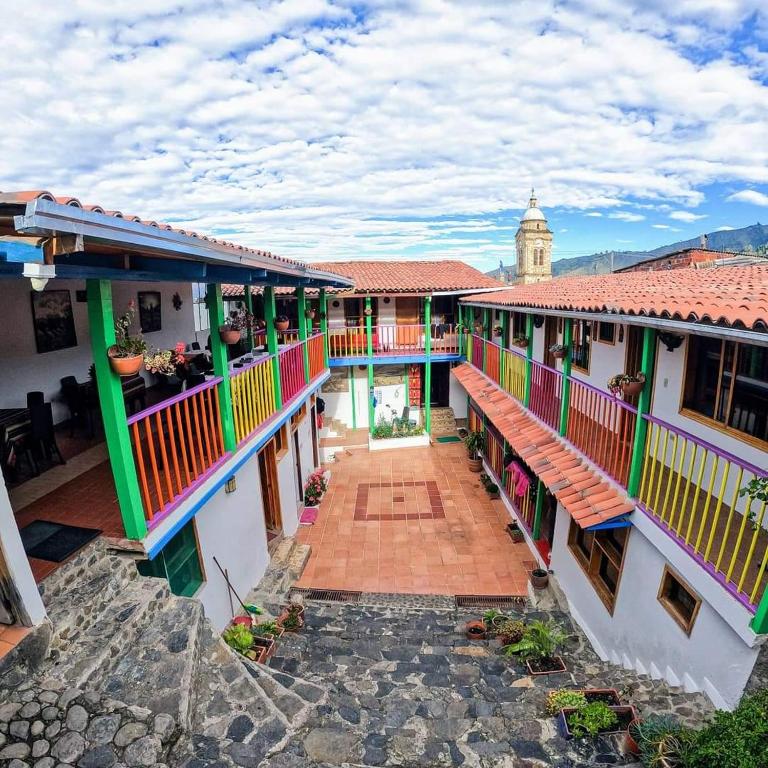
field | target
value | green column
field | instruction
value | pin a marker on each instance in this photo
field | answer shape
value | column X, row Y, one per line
column 459, row 323
column 369, row 352
column 486, row 331
column 249, row 309
column 505, row 446
column 351, row 374
column 528, row 358
column 102, row 330
column 504, row 329
column 759, row 623
column 271, row 333
column 407, row 390
column 428, row 364
column 564, row 404
column 301, row 300
column 643, row 407
column 536, row 530
column 220, row 362
column 324, row 323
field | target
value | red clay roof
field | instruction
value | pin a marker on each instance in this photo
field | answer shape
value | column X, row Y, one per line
column 728, row 295
column 26, row 196
column 587, row 497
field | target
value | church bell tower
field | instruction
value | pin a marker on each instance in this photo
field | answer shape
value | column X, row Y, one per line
column 534, row 245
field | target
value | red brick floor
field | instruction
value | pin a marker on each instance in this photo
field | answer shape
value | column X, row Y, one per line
column 412, row 521
column 88, row 500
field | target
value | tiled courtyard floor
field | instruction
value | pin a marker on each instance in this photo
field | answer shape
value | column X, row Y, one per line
column 413, row 520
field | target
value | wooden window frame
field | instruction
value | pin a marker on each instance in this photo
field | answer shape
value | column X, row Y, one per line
column 686, row 624
column 298, row 417
column 574, row 365
column 598, row 335
column 591, row 565
column 281, row 442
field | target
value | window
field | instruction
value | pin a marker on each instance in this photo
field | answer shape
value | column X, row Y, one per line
column 601, row 555
column 281, row 442
column 606, row 332
column 199, row 308
column 582, row 336
column 727, row 382
column 680, row 601
column 518, row 324
column 179, row 562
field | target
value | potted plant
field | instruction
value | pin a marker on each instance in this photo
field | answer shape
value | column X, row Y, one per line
column 315, row 488
column 474, row 442
column 265, row 642
column 564, row 698
column 268, row 629
column 475, row 629
column 520, row 341
column 367, row 311
column 515, row 532
column 239, row 637
column 558, row 351
column 479, row 328
column 539, row 578
column 510, row 631
column 164, row 361
column 493, row 618
column 537, row 647
column 281, row 323
column 291, row 618
column 493, row 491
column 309, row 313
column 461, row 328
column 623, row 383
column 658, row 740
column 126, row 355
column 595, row 719
column 497, row 330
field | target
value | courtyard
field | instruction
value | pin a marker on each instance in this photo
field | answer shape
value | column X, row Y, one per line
column 413, row 521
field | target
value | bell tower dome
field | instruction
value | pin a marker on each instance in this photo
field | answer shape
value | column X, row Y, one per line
column 534, row 245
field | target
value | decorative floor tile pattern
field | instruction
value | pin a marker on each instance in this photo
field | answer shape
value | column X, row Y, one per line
column 373, row 543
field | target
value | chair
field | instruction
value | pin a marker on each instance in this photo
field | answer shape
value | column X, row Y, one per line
column 43, row 436
column 194, row 379
column 35, row 398
column 15, row 441
column 77, row 403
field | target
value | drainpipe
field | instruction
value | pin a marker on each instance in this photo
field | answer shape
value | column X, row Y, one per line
column 564, row 404
column 101, row 323
column 269, row 319
column 221, row 365
column 428, row 364
column 643, row 407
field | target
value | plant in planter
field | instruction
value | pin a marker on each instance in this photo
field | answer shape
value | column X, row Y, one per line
column 315, row 488
column 281, row 323
column 510, row 631
column 520, row 341
column 239, row 320
column 475, row 629
column 590, row 719
column 126, row 355
column 292, row 617
column 538, row 646
column 497, row 330
column 493, row 491
column 623, row 383
column 309, row 313
column 539, row 578
column 164, row 360
column 267, row 629
column 564, row 698
column 367, row 311
column 493, row 617
column 461, row 328
column 515, row 532
column 558, row 351
column 239, row 638
column 475, row 442
column 657, row 739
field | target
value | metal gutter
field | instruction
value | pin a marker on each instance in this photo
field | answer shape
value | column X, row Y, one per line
column 47, row 219
column 759, row 338
column 471, row 290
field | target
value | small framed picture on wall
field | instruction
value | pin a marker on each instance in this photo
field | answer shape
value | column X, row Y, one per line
column 53, row 320
column 149, row 311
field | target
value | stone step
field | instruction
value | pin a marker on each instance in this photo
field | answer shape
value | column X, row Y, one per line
column 296, row 692
column 158, row 669
column 99, row 646
column 284, row 569
column 90, row 591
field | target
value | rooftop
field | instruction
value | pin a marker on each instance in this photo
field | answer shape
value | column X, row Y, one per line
column 729, row 295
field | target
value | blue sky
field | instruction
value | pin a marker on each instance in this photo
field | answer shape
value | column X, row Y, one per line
column 332, row 129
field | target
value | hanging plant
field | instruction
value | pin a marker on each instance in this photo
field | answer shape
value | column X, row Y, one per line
column 624, row 383
column 309, row 313
column 497, row 330
column 367, row 311
column 520, row 341
column 281, row 323
column 558, row 351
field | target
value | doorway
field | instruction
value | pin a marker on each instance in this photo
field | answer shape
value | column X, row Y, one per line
column 550, row 338
column 297, row 464
column 407, row 316
column 633, row 358
column 270, row 493
column 313, row 427
column 439, row 396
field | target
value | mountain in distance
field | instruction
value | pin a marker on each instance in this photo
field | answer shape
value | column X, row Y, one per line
column 746, row 239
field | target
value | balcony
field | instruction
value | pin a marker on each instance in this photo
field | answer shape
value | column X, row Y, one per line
column 395, row 341
column 686, row 486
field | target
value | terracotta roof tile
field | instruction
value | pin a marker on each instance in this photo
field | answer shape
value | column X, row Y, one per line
column 735, row 295
column 579, row 487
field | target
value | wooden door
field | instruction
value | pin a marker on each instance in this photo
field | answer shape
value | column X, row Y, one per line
column 550, row 338
column 633, row 358
column 407, row 315
column 270, row 494
column 297, row 464
column 313, row 427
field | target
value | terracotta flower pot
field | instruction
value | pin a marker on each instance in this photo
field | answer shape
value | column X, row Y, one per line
column 515, row 533
column 633, row 387
column 475, row 629
column 559, row 355
column 475, row 465
column 229, row 335
column 282, row 325
column 125, row 366
column 309, row 314
column 539, row 578
column 494, row 495
column 630, row 745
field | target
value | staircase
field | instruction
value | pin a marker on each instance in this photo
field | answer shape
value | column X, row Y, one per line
column 443, row 422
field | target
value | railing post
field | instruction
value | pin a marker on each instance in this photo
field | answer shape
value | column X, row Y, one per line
column 301, row 300
column 369, row 352
column 759, row 623
column 428, row 364
column 486, row 331
column 271, row 333
column 648, row 361
column 564, row 404
column 249, row 309
column 324, row 324
column 220, row 362
column 102, row 329
column 538, row 511
column 528, row 359
column 459, row 323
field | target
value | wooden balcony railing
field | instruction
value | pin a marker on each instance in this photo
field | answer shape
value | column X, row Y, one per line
column 513, row 373
column 316, row 355
column 692, row 490
column 253, row 396
column 347, row 342
column 546, row 394
column 176, row 445
column 291, row 362
column 393, row 339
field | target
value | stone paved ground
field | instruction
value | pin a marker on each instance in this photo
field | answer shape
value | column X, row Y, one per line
column 407, row 689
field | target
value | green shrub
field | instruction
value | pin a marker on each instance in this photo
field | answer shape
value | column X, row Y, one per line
column 492, row 614
column 540, row 640
column 266, row 628
column 658, row 737
column 238, row 637
column 737, row 739
column 565, row 698
column 591, row 719
column 474, row 443
column 511, row 631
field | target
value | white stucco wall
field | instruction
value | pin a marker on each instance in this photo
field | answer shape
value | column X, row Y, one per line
column 387, row 313
column 287, row 484
column 25, row 370
column 231, row 528
column 642, row 635
column 457, row 398
column 361, row 395
column 335, row 314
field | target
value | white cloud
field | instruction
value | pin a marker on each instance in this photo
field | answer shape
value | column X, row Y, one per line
column 749, row 196
column 724, row 228
column 338, row 128
column 661, row 226
column 687, row 216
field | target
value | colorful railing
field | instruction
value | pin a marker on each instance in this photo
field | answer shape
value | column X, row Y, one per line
column 253, row 396
column 546, row 394
column 477, row 351
column 513, row 373
column 291, row 363
column 493, row 361
column 444, row 339
column 176, row 445
column 494, row 451
column 347, row 342
column 316, row 355
column 602, row 427
column 398, row 339
column 692, row 490
column 519, row 491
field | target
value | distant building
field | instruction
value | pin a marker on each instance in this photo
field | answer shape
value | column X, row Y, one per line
column 534, row 245
column 688, row 257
